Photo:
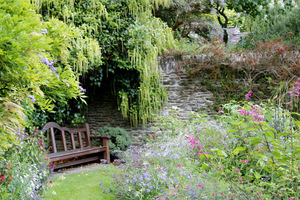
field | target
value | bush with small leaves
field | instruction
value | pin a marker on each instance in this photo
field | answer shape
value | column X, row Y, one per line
column 120, row 140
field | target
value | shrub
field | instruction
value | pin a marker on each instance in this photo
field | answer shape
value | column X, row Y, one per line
column 274, row 22
column 120, row 140
column 25, row 168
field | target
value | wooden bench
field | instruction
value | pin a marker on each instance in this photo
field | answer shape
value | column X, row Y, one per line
column 94, row 153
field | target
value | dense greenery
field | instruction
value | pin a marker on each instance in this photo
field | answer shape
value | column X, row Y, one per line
column 120, row 140
column 276, row 20
column 130, row 39
column 47, row 47
column 34, row 66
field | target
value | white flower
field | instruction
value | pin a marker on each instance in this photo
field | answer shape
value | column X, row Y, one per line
column 280, row 2
column 271, row 5
column 294, row 3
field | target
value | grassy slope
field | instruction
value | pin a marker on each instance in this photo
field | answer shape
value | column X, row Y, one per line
column 83, row 185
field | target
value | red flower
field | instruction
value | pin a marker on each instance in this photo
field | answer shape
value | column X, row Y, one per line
column 2, row 178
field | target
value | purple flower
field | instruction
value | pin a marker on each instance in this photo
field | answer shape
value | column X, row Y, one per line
column 44, row 31
column 32, row 98
column 82, row 89
column 50, row 64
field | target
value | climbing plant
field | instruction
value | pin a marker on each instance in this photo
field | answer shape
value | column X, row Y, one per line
column 130, row 39
column 34, row 69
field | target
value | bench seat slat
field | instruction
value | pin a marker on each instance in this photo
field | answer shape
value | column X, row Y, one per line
column 75, row 153
column 68, row 164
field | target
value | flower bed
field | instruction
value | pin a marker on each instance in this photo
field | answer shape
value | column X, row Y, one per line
column 249, row 152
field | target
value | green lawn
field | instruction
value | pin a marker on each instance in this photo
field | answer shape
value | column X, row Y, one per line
column 83, row 185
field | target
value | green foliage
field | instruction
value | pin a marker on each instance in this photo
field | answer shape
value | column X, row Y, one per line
column 34, row 67
column 120, row 140
column 251, row 7
column 130, row 38
column 24, row 168
column 273, row 22
column 268, row 138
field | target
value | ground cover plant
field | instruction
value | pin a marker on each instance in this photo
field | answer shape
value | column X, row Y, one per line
column 82, row 185
column 251, row 151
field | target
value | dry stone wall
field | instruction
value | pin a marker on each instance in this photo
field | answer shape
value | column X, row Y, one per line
column 185, row 96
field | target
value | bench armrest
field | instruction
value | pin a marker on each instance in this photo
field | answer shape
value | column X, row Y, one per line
column 106, row 144
column 100, row 137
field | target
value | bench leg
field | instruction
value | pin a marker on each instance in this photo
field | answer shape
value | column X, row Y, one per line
column 106, row 153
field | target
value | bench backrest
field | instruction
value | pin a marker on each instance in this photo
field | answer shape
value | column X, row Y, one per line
column 51, row 126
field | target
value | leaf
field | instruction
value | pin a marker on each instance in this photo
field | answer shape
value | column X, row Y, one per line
column 282, row 134
column 296, row 152
column 295, row 135
column 257, row 175
column 297, row 123
column 276, row 154
column 270, row 134
column 222, row 153
column 254, row 140
column 238, row 150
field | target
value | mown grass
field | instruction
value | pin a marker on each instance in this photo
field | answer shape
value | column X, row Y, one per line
column 82, row 185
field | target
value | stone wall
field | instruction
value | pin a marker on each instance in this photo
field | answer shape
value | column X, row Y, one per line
column 185, row 96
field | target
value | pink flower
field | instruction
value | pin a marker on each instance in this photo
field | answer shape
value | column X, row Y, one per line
column 240, row 178
column 173, row 193
column 179, row 165
column 187, row 187
column 258, row 193
column 219, row 111
column 222, row 193
column 290, row 199
column 233, row 196
column 280, row 192
column 162, row 168
column 241, row 161
column 261, row 199
column 200, row 186
column 229, row 196
column 237, row 170
column 248, row 95
column 214, row 195
column 246, row 161
column 288, row 102
column 288, row 176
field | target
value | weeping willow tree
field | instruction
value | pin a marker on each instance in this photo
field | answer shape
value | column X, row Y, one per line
column 130, row 39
